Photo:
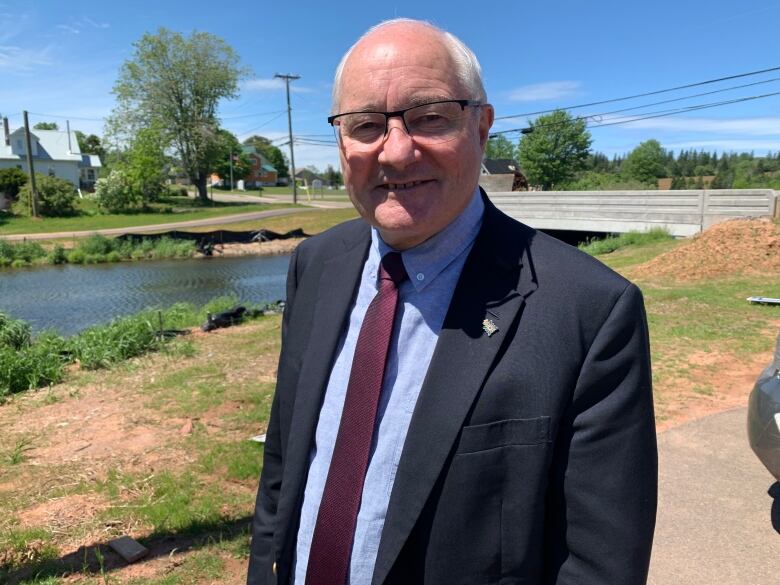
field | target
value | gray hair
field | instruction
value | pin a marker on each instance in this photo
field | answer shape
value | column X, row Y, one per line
column 467, row 68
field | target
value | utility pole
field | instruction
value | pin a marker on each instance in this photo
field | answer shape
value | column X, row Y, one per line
column 28, row 148
column 231, row 170
column 287, row 78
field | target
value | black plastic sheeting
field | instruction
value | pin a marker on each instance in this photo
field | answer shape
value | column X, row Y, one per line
column 219, row 236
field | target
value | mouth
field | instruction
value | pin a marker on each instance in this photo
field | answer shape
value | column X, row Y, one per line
column 403, row 186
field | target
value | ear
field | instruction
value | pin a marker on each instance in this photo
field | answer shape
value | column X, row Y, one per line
column 486, row 116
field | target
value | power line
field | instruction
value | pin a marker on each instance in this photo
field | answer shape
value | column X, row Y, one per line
column 258, row 114
column 657, row 114
column 631, row 97
column 279, row 115
column 68, row 117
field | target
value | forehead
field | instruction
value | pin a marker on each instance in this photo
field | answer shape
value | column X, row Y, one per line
column 398, row 68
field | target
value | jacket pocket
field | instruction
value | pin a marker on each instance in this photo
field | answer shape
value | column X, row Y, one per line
column 518, row 431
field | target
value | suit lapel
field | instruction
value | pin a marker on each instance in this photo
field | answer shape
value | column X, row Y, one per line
column 338, row 283
column 493, row 286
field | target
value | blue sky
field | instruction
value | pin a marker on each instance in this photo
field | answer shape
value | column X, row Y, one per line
column 60, row 60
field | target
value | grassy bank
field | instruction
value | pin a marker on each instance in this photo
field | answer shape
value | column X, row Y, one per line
column 95, row 249
column 27, row 363
column 88, row 218
column 158, row 446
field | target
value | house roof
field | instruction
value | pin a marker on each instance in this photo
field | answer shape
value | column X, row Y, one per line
column 308, row 175
column 500, row 166
column 90, row 161
column 52, row 145
column 269, row 168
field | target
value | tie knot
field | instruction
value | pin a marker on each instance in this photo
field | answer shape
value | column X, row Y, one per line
column 392, row 267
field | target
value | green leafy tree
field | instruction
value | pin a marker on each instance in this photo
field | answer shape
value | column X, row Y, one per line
column 11, row 180
column 333, row 176
column 115, row 193
column 500, row 146
column 646, row 163
column 46, row 126
column 228, row 146
column 146, row 164
column 275, row 156
column 555, row 149
column 91, row 144
column 176, row 83
column 56, row 197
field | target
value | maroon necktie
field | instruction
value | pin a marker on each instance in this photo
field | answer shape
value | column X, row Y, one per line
column 334, row 531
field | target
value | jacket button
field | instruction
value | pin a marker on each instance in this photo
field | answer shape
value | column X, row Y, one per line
column 273, row 568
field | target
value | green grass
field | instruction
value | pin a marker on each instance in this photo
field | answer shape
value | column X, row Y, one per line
column 177, row 209
column 311, row 221
column 22, row 546
column 612, row 243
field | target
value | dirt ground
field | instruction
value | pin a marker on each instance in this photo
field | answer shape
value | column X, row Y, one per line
column 731, row 248
column 260, row 248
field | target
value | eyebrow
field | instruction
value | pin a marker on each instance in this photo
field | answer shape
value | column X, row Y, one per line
column 418, row 100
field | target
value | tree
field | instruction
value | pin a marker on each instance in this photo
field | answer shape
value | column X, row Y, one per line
column 56, row 197
column 333, row 176
column 46, row 126
column 176, row 83
column 11, row 180
column 90, row 144
column 146, row 165
column 500, row 146
column 272, row 153
column 555, row 149
column 646, row 163
column 228, row 146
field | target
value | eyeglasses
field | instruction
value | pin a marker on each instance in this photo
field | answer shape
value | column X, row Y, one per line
column 433, row 122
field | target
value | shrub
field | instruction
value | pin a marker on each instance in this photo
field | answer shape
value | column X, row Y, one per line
column 11, row 180
column 56, row 197
column 76, row 256
column 115, row 193
column 612, row 243
column 28, row 251
column 13, row 333
column 96, row 245
column 57, row 255
column 103, row 345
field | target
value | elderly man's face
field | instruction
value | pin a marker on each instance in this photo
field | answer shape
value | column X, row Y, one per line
column 409, row 189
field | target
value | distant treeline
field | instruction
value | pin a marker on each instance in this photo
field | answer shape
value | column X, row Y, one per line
column 688, row 169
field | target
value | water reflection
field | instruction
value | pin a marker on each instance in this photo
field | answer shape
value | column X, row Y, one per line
column 70, row 298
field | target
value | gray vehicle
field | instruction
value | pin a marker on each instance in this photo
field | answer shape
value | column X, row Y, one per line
column 764, row 416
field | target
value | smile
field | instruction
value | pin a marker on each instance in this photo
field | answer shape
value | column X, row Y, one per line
column 399, row 186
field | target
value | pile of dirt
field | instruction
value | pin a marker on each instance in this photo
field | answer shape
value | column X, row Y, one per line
column 730, row 248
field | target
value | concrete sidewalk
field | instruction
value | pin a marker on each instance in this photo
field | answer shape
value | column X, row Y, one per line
column 717, row 522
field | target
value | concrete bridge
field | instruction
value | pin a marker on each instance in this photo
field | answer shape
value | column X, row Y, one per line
column 681, row 213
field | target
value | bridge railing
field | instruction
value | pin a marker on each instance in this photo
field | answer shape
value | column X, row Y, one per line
column 682, row 213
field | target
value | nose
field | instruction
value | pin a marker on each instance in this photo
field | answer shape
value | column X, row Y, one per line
column 398, row 148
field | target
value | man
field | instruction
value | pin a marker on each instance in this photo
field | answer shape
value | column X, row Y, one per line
column 476, row 409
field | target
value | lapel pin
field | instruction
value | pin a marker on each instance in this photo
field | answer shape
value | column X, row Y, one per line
column 489, row 327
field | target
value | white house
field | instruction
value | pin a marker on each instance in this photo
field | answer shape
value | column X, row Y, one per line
column 54, row 152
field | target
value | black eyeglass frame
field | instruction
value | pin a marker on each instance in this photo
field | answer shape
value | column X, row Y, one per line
column 400, row 113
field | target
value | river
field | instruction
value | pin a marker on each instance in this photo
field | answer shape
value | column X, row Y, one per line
column 70, row 298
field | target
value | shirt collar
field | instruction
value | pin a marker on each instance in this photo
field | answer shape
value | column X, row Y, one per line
column 425, row 261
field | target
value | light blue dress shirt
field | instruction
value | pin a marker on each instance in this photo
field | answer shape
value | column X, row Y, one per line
column 433, row 268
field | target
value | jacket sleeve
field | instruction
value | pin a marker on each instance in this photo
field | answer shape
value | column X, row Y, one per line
column 603, row 491
column 261, row 557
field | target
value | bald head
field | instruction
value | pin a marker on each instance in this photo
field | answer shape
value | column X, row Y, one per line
column 394, row 35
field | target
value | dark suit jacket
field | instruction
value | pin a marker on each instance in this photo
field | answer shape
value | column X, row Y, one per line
column 531, row 454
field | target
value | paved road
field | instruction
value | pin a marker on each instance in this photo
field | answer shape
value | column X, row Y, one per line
column 717, row 522
column 159, row 227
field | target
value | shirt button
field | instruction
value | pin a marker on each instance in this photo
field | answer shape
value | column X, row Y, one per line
column 420, row 276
